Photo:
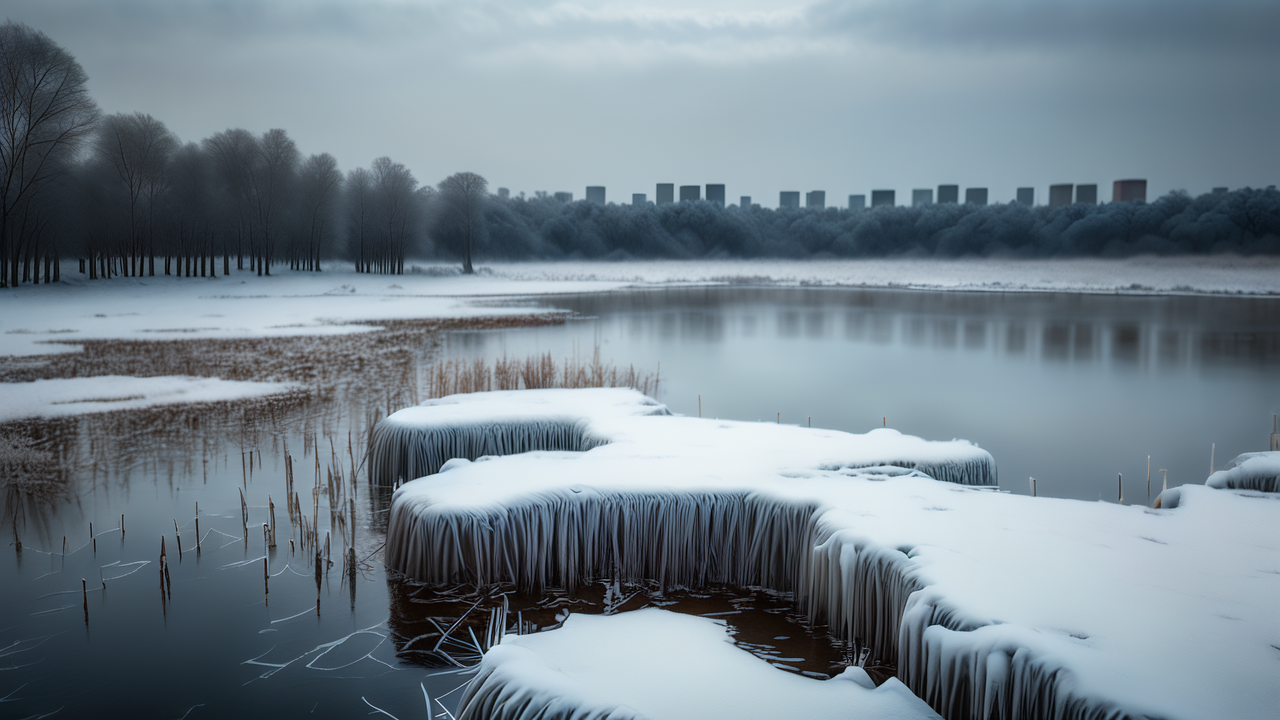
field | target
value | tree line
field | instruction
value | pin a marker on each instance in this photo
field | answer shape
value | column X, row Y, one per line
column 124, row 196
column 1245, row 221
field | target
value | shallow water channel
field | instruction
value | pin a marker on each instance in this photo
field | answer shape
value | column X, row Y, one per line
column 1070, row 389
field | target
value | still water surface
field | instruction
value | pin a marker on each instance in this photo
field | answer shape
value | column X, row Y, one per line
column 1070, row 389
column 1073, row 390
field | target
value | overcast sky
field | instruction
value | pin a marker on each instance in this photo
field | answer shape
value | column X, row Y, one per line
column 836, row 96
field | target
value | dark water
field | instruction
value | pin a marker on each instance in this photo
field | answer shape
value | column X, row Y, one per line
column 1070, row 389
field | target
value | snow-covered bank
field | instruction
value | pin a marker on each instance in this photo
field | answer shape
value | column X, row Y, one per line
column 52, row 318
column 108, row 393
column 992, row 604
column 1146, row 275
column 1252, row 471
column 661, row 666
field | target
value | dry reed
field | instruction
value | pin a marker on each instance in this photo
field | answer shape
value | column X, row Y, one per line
column 450, row 377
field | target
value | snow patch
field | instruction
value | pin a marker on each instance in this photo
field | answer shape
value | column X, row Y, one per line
column 661, row 665
column 108, row 393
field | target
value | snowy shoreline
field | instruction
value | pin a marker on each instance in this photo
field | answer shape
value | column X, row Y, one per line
column 48, row 319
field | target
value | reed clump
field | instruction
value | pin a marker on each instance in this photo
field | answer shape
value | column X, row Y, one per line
column 451, row 377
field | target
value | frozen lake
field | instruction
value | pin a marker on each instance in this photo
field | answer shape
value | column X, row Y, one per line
column 1070, row 389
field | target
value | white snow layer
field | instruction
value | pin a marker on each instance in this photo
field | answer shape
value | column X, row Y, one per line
column 661, row 665
column 992, row 604
column 107, row 393
column 42, row 319
column 1250, row 471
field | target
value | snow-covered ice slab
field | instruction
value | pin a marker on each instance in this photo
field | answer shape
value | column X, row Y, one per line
column 994, row 605
column 1250, row 471
column 108, row 393
column 417, row 441
column 661, row 665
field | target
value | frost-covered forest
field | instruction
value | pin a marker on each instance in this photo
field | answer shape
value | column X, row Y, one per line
column 125, row 196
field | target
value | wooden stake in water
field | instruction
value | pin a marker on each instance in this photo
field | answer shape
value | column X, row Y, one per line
column 1212, row 448
column 1166, row 479
column 1033, row 487
column 699, row 406
column 84, row 592
column 1148, row 477
column 1120, row 488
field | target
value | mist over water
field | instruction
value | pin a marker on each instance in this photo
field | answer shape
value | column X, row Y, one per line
column 1070, row 389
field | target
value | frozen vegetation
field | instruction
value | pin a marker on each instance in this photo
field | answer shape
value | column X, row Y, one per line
column 991, row 605
column 660, row 665
column 1252, row 471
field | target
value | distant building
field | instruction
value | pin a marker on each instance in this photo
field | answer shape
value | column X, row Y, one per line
column 1060, row 195
column 1026, row 196
column 948, row 194
column 564, row 197
column 715, row 194
column 666, row 193
column 745, row 201
column 1129, row 191
column 1087, row 194
column 857, row 202
column 882, row 197
column 975, row 196
column 1220, row 191
column 690, row 192
column 504, row 193
column 921, row 197
column 815, row 199
column 595, row 194
column 638, row 199
column 789, row 198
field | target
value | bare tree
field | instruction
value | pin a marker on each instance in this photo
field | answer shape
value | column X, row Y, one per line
column 233, row 153
column 394, row 189
column 272, row 178
column 359, row 192
column 461, row 221
column 45, row 115
column 319, row 192
column 138, row 149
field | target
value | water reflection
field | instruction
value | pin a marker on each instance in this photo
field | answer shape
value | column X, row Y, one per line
column 1072, row 389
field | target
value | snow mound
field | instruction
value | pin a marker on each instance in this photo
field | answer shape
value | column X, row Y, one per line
column 991, row 605
column 1251, row 471
column 661, row 665
column 108, row 393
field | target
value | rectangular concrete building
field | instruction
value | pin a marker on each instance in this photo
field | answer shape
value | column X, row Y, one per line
column 1129, row 191
column 639, row 199
column 595, row 194
column 564, row 196
column 882, row 198
column 690, row 192
column 1087, row 194
column 715, row 193
column 666, row 193
column 948, row 194
column 789, row 198
column 816, row 199
column 504, row 193
column 857, row 202
column 975, row 196
column 1220, row 191
column 1060, row 195
column 1026, row 196
column 744, row 201
column 921, row 197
